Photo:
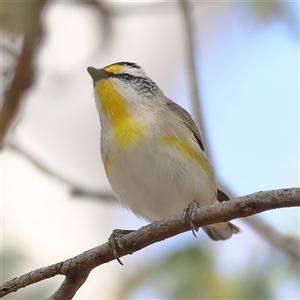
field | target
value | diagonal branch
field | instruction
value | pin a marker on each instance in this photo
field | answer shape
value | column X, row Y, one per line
column 77, row 269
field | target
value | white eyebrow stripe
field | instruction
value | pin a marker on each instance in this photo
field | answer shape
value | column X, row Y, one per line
column 133, row 71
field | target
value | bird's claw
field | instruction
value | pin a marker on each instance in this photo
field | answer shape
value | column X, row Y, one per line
column 190, row 213
column 115, row 240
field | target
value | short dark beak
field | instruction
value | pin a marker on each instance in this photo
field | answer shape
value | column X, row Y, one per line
column 97, row 74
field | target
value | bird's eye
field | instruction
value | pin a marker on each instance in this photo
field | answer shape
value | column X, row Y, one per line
column 128, row 77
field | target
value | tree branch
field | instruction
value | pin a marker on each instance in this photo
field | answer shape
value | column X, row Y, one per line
column 77, row 269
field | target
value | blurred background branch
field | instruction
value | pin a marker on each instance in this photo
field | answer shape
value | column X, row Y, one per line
column 286, row 244
column 105, row 16
column 192, row 78
column 76, row 189
column 30, row 25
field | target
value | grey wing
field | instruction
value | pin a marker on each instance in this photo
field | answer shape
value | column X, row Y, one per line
column 188, row 121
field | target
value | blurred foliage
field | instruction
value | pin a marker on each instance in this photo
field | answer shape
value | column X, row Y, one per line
column 10, row 262
column 12, row 265
column 18, row 16
column 272, row 10
column 266, row 9
column 192, row 274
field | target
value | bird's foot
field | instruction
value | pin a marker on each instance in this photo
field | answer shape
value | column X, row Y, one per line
column 189, row 214
column 115, row 240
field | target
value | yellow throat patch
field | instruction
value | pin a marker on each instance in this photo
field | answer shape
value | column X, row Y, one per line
column 124, row 130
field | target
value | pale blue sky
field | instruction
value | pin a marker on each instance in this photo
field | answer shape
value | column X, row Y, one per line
column 257, row 109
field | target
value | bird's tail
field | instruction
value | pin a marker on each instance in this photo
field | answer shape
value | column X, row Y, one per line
column 221, row 231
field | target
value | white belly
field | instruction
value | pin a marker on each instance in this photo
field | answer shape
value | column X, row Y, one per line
column 158, row 182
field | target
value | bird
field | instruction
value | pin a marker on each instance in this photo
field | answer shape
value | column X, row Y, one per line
column 152, row 150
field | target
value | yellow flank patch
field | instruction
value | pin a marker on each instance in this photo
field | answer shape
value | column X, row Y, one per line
column 106, row 163
column 114, row 68
column 124, row 130
column 186, row 149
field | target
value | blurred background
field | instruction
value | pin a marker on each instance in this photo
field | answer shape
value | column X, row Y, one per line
column 56, row 201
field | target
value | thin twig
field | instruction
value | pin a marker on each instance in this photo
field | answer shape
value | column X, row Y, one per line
column 77, row 269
